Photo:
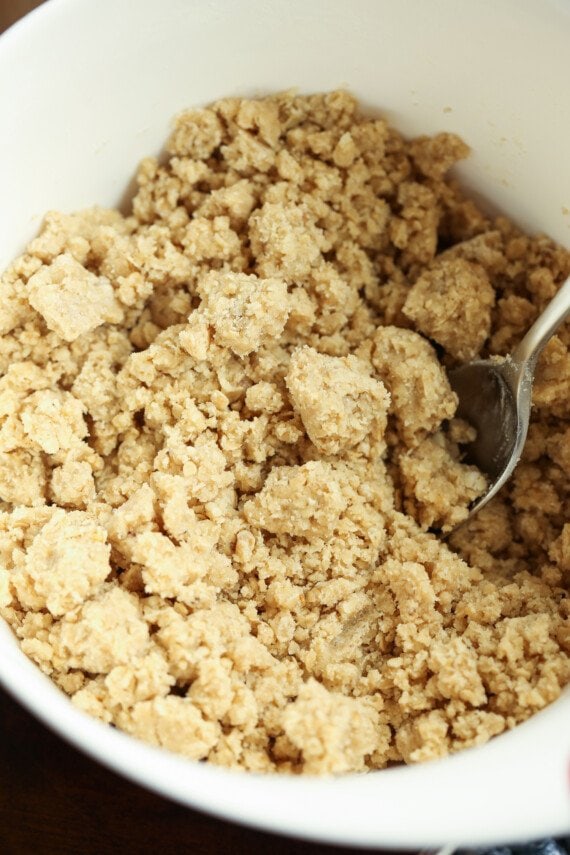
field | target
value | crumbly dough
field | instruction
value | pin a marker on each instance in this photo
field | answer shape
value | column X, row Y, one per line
column 339, row 403
column 70, row 298
column 228, row 449
column 451, row 303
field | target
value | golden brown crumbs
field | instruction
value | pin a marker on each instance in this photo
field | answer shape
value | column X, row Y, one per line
column 451, row 303
column 226, row 431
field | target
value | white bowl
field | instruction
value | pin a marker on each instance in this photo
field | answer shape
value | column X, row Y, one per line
column 87, row 89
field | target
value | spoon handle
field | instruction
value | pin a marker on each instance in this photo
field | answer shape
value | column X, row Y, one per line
column 529, row 349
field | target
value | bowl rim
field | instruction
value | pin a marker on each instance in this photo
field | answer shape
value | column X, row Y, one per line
column 316, row 808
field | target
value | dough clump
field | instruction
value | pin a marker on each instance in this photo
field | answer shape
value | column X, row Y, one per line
column 228, row 450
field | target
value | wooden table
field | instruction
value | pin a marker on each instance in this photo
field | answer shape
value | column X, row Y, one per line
column 54, row 800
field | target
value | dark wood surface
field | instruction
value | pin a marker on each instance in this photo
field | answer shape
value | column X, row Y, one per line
column 11, row 10
column 54, row 800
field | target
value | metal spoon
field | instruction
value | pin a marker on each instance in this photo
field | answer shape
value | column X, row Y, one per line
column 495, row 397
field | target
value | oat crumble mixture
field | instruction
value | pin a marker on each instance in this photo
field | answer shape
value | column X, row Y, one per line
column 227, row 436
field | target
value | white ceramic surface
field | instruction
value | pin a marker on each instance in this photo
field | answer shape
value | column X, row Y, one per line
column 87, row 87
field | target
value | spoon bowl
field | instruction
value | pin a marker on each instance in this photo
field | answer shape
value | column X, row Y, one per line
column 495, row 397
